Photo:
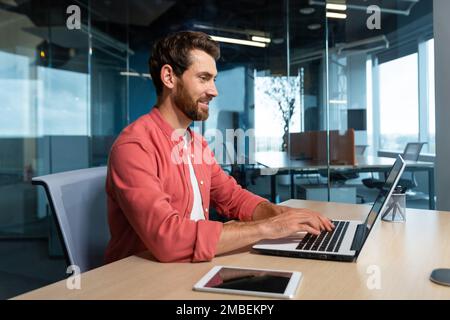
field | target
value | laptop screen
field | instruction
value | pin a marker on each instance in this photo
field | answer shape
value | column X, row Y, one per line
column 385, row 192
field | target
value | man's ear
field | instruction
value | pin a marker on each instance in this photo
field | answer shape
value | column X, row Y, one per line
column 168, row 77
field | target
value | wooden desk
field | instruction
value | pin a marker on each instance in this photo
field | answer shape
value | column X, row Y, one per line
column 280, row 163
column 404, row 253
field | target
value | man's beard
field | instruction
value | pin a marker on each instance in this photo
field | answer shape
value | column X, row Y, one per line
column 188, row 106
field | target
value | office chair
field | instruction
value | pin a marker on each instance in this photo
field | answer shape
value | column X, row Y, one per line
column 412, row 152
column 78, row 200
column 408, row 179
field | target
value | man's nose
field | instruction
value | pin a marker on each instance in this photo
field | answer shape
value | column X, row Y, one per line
column 212, row 91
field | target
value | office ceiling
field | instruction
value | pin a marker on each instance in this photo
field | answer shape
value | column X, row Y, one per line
column 147, row 20
column 307, row 25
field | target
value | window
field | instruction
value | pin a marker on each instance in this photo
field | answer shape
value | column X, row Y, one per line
column 431, row 98
column 15, row 96
column 62, row 102
column 275, row 99
column 399, row 102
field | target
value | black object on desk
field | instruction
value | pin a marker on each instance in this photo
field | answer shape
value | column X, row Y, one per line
column 267, row 283
column 441, row 276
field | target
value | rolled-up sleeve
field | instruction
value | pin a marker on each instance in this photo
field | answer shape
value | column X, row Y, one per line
column 138, row 191
column 229, row 198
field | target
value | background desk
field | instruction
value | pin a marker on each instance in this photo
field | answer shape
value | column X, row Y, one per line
column 282, row 164
column 404, row 253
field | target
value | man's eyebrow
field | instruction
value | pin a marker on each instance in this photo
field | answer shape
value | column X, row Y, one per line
column 205, row 73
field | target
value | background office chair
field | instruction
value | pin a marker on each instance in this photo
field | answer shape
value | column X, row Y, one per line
column 78, row 201
column 412, row 152
column 408, row 179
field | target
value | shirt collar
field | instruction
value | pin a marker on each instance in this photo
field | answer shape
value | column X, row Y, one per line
column 168, row 130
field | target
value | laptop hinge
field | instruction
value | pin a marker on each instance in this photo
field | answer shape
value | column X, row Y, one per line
column 358, row 240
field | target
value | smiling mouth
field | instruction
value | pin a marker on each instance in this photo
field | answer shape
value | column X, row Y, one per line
column 204, row 104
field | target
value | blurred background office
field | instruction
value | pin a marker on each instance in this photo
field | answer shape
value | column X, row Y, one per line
column 296, row 72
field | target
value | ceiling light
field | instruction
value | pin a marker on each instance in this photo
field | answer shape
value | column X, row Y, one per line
column 338, row 101
column 335, row 6
column 315, row 26
column 260, row 39
column 129, row 74
column 307, row 10
column 336, row 15
column 135, row 74
column 239, row 41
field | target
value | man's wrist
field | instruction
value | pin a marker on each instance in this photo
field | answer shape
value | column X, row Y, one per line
column 266, row 210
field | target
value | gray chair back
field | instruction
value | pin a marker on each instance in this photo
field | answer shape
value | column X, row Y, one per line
column 78, row 201
column 412, row 151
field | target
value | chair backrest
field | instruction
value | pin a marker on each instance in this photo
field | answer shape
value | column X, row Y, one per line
column 412, row 151
column 78, row 201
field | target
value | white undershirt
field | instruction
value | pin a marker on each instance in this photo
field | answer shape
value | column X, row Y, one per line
column 197, row 207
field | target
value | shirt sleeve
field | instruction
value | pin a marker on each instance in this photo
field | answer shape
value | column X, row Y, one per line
column 229, row 198
column 133, row 171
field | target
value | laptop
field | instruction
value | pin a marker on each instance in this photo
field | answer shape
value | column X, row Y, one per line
column 347, row 239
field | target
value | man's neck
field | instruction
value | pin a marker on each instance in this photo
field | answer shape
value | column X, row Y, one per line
column 174, row 116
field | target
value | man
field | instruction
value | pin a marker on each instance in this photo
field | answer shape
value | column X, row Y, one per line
column 159, row 189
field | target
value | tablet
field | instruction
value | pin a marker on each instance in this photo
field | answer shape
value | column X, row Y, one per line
column 248, row 281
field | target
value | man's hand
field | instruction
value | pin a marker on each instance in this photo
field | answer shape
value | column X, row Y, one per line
column 291, row 220
column 271, row 222
column 267, row 210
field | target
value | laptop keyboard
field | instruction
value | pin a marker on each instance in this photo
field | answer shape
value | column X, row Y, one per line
column 326, row 241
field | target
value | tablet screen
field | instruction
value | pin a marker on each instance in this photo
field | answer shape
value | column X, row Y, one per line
column 250, row 280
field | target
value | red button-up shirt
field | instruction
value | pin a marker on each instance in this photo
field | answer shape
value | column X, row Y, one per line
column 150, row 196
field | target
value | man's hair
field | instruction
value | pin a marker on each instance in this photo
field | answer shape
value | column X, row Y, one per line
column 175, row 49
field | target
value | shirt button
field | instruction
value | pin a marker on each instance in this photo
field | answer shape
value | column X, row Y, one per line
column 201, row 182
column 192, row 155
column 206, row 209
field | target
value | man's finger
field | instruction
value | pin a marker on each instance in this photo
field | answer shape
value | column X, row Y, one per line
column 327, row 223
column 311, row 230
column 314, row 222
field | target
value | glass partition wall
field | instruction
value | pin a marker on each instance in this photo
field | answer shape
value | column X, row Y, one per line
column 65, row 100
column 307, row 151
column 366, row 92
column 45, row 127
column 380, row 77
